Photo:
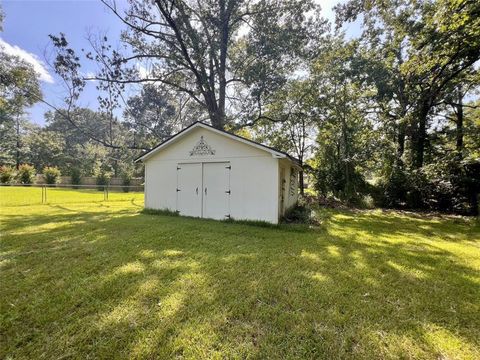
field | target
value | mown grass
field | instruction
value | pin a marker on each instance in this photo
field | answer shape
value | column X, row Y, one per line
column 104, row 280
column 32, row 195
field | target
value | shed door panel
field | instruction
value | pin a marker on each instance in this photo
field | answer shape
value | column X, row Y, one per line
column 189, row 189
column 216, row 190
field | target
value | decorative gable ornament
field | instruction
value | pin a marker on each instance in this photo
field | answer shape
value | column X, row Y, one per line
column 202, row 148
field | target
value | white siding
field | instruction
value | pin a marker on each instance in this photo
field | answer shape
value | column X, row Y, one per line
column 253, row 179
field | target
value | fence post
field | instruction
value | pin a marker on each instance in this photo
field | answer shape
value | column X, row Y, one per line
column 42, row 194
column 45, row 186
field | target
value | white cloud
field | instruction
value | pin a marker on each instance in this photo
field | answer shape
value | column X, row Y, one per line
column 38, row 65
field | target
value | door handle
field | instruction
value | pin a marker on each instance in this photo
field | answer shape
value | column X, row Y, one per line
column 196, row 190
column 205, row 191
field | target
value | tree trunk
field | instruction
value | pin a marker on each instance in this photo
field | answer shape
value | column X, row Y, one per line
column 18, row 143
column 301, row 180
column 420, row 136
column 402, row 129
column 402, row 126
column 346, row 156
column 459, row 124
column 222, row 83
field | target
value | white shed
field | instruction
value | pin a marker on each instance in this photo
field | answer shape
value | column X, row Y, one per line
column 210, row 173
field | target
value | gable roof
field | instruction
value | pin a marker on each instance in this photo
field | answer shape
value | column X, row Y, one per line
column 182, row 133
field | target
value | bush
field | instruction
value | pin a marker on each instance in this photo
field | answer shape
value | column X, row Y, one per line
column 395, row 188
column 26, row 174
column 300, row 214
column 76, row 177
column 103, row 179
column 51, row 174
column 450, row 186
column 126, row 180
column 7, row 174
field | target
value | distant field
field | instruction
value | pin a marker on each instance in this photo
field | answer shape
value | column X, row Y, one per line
column 19, row 195
column 101, row 280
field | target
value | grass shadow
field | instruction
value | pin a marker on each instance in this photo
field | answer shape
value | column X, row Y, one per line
column 118, row 283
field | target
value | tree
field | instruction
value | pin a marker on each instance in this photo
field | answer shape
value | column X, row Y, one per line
column 154, row 115
column 455, row 106
column 294, row 109
column 345, row 131
column 45, row 148
column 441, row 40
column 19, row 89
column 83, row 140
column 223, row 54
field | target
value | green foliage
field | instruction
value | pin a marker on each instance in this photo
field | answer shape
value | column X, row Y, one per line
column 26, row 174
column 103, row 179
column 19, row 89
column 151, row 114
column 301, row 214
column 45, row 148
column 76, row 176
column 395, row 188
column 383, row 118
column 7, row 174
column 103, row 173
column 19, row 86
column 126, row 180
column 221, row 58
column 449, row 186
column 52, row 174
column 345, row 139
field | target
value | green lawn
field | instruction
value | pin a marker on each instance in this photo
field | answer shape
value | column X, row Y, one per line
column 102, row 280
column 17, row 195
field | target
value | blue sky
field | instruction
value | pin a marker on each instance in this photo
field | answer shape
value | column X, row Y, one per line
column 27, row 25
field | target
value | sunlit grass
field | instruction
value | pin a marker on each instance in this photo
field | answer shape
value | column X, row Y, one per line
column 32, row 195
column 102, row 280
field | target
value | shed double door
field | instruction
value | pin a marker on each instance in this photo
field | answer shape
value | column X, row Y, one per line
column 203, row 190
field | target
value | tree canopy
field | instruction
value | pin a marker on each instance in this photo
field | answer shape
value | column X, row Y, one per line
column 389, row 117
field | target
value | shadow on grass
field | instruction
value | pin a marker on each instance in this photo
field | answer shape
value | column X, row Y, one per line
column 129, row 285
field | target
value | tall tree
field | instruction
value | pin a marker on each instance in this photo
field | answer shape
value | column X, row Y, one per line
column 345, row 130
column 155, row 114
column 294, row 109
column 19, row 89
column 223, row 54
column 441, row 40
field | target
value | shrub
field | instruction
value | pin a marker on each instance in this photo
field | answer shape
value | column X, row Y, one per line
column 7, row 174
column 26, row 174
column 51, row 174
column 76, row 177
column 395, row 188
column 103, row 179
column 448, row 186
column 126, row 180
column 300, row 213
